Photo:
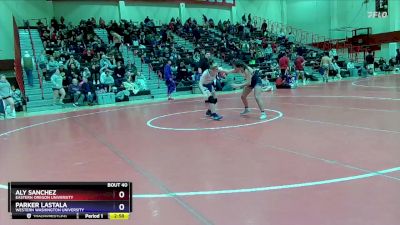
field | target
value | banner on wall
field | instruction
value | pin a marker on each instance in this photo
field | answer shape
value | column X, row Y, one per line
column 382, row 6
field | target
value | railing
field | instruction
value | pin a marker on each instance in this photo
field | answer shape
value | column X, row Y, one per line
column 36, row 62
column 17, row 61
column 301, row 36
column 43, row 20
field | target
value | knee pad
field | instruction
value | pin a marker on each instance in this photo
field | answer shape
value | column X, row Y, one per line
column 212, row 100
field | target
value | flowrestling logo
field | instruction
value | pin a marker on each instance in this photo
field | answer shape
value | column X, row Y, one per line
column 375, row 14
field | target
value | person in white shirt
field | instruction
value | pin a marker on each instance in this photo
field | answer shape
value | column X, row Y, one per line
column 206, row 85
column 105, row 78
column 352, row 69
column 28, row 64
column 332, row 53
column 268, row 52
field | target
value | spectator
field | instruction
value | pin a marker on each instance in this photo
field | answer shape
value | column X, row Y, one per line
column 6, row 96
column 130, row 85
column 398, row 56
column 284, row 64
column 43, row 62
column 268, row 52
column 117, row 39
column 325, row 64
column 205, row 62
column 333, row 54
column 299, row 65
column 264, row 27
column 352, row 69
column 58, row 90
column 245, row 47
column 369, row 61
column 72, row 61
column 169, row 80
column 383, row 66
column 75, row 91
column 196, row 76
column 291, row 39
column 28, row 64
column 52, row 66
column 140, row 82
column 119, row 74
column 17, row 97
column 106, row 79
column 336, row 69
column 86, row 90
column 105, row 61
column 86, row 73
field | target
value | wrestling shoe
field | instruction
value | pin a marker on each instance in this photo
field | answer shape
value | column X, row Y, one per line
column 245, row 111
column 216, row 116
column 263, row 116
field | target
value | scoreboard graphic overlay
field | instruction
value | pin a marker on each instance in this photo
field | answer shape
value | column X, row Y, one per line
column 70, row 200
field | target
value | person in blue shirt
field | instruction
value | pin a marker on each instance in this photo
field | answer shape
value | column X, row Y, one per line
column 169, row 80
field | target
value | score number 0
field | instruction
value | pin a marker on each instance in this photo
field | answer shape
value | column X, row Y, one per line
column 121, row 194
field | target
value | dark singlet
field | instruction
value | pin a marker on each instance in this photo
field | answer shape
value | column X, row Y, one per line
column 255, row 79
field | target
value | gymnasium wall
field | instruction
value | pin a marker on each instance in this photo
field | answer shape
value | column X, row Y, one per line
column 216, row 13
column 163, row 12
column 22, row 10
column 75, row 11
column 354, row 14
column 310, row 15
column 271, row 9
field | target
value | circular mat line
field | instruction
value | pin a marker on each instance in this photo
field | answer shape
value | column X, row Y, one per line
column 150, row 122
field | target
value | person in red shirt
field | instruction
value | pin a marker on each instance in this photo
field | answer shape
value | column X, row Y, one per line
column 299, row 65
column 284, row 64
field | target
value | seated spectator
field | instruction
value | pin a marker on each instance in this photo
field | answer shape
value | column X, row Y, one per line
column 86, row 90
column 119, row 74
column 245, row 47
column 140, row 82
column 130, row 85
column 393, row 62
column 75, row 91
column 352, row 69
column 86, row 73
column 291, row 38
column 196, row 75
column 72, row 73
column 106, row 78
column 383, row 66
column 17, row 97
column 281, row 36
column 183, row 73
column 87, row 55
column 105, row 61
column 268, row 52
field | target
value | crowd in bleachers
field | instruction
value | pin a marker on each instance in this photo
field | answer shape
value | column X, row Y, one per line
column 80, row 65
